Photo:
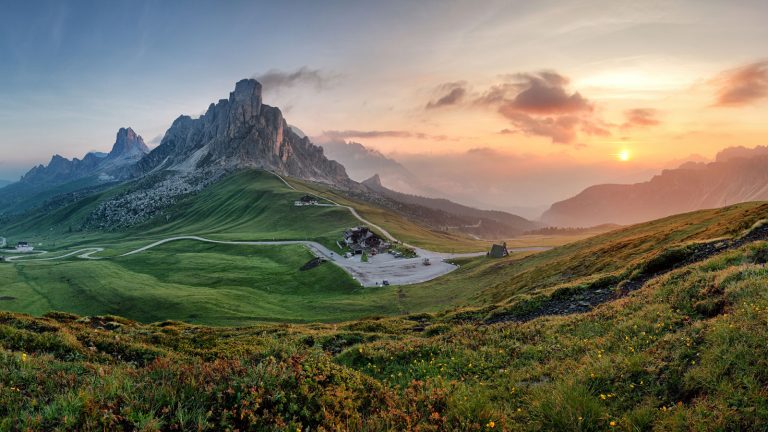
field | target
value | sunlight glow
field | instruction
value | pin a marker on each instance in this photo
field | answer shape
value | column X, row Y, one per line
column 623, row 155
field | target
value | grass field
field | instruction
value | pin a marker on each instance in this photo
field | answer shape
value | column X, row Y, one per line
column 195, row 282
column 210, row 284
column 685, row 352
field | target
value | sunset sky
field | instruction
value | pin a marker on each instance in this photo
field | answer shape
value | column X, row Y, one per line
column 551, row 91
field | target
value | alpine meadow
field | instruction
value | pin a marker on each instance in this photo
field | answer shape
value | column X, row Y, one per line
column 339, row 216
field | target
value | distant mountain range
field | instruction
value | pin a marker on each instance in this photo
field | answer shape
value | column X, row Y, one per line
column 443, row 214
column 240, row 132
column 4, row 183
column 737, row 175
column 362, row 162
column 127, row 150
column 65, row 176
column 237, row 132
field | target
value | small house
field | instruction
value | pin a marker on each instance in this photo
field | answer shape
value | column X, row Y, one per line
column 306, row 200
column 498, row 251
column 3, row 242
column 24, row 247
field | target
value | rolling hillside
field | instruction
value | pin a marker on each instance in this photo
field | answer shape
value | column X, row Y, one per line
column 187, row 280
column 672, row 353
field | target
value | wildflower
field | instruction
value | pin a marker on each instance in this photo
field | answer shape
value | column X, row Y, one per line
column 491, row 424
column 23, row 357
column 360, row 350
column 602, row 396
column 581, row 418
column 612, row 423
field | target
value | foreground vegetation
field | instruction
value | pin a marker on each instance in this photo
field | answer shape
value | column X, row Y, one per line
column 686, row 352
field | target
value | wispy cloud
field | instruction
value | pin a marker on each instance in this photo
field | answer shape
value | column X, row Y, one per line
column 275, row 80
column 743, row 85
column 640, row 117
column 448, row 94
column 347, row 134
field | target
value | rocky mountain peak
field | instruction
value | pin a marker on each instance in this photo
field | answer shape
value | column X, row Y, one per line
column 128, row 143
column 241, row 132
column 374, row 181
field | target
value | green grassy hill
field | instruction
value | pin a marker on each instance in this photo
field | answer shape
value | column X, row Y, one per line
column 201, row 283
column 247, row 205
column 686, row 351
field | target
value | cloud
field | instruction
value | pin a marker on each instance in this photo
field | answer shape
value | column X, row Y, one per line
column 540, row 104
column 346, row 134
column 452, row 94
column 541, row 93
column 275, row 80
column 640, row 117
column 743, row 85
column 156, row 140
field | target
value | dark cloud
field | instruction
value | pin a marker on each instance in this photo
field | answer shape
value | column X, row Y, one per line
column 449, row 94
column 561, row 129
column 541, row 93
column 346, row 134
column 540, row 104
column 640, row 117
column 743, row 85
column 274, row 80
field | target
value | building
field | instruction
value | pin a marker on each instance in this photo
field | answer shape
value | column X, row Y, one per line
column 24, row 247
column 306, row 200
column 361, row 239
column 3, row 242
column 498, row 251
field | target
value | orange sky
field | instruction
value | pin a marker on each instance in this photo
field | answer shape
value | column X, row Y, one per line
column 562, row 83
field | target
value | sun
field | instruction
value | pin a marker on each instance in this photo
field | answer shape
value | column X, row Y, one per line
column 623, row 155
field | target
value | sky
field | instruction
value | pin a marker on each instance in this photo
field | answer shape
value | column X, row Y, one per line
column 560, row 90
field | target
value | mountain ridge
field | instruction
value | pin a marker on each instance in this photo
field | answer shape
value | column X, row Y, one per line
column 737, row 175
column 241, row 132
column 488, row 224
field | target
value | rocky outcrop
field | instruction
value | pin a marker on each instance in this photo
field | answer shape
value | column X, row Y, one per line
column 736, row 176
column 241, row 132
column 128, row 144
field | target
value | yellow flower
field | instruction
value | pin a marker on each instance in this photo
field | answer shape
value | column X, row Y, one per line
column 602, row 396
column 612, row 423
column 23, row 357
column 491, row 424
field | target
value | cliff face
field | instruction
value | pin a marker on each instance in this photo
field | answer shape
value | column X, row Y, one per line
column 729, row 180
column 241, row 132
